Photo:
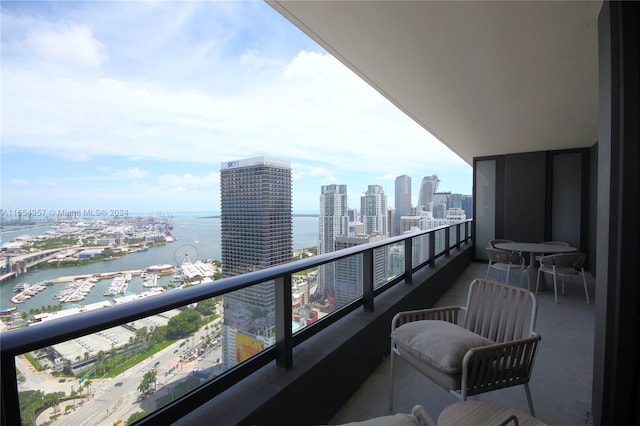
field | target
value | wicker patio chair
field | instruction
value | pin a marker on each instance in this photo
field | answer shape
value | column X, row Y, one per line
column 491, row 346
column 506, row 261
column 563, row 265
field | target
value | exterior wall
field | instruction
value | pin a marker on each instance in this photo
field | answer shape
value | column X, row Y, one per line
column 537, row 196
column 616, row 394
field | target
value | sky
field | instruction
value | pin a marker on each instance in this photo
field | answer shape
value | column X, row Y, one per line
column 134, row 105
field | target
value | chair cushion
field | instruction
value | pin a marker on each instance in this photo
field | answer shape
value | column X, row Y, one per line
column 438, row 343
column 400, row 419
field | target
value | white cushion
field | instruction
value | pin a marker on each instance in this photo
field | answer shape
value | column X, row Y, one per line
column 438, row 343
column 400, row 419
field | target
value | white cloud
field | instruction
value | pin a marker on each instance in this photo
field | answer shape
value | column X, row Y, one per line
column 132, row 173
column 72, row 44
column 200, row 99
column 18, row 182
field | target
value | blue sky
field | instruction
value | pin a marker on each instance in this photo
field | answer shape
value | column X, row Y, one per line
column 134, row 105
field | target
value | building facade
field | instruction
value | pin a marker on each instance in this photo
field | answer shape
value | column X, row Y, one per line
column 428, row 187
column 402, row 202
column 349, row 273
column 333, row 221
column 373, row 208
column 256, row 233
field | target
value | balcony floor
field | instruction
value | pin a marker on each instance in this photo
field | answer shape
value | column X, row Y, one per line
column 560, row 382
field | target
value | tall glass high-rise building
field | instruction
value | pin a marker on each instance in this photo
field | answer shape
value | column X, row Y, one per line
column 256, row 233
column 333, row 221
column 402, row 202
column 373, row 208
column 428, row 187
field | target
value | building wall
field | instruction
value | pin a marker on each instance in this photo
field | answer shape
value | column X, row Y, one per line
column 616, row 393
column 533, row 197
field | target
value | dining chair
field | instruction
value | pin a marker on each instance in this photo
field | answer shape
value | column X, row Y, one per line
column 507, row 261
column 557, row 243
column 563, row 265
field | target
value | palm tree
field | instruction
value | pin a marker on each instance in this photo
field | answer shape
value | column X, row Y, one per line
column 87, row 385
column 144, row 386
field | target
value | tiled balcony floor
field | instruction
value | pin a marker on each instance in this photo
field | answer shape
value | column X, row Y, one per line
column 561, row 379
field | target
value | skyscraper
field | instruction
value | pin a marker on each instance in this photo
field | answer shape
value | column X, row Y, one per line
column 256, row 233
column 373, row 208
column 333, row 221
column 428, row 187
column 402, row 202
column 349, row 271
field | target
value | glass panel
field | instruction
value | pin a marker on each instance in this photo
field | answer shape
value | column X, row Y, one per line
column 453, row 236
column 485, row 201
column 249, row 323
column 440, row 236
column 420, row 249
column 308, row 299
column 395, row 256
column 127, row 370
column 348, row 281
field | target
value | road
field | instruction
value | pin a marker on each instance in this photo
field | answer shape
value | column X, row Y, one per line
column 118, row 398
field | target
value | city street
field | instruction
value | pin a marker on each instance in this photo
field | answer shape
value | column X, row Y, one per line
column 118, row 398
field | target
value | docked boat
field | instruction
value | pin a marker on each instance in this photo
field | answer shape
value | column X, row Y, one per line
column 20, row 287
column 150, row 280
column 7, row 311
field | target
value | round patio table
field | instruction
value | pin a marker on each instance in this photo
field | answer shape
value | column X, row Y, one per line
column 484, row 413
column 533, row 249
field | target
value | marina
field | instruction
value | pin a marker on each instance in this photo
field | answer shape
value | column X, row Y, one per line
column 26, row 291
column 201, row 232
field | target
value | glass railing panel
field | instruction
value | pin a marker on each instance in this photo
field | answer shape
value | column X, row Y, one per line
column 440, row 241
column 394, row 255
column 128, row 370
column 420, row 249
column 308, row 298
column 346, row 285
column 249, row 323
column 453, row 236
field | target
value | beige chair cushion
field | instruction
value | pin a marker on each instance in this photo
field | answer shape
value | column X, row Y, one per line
column 400, row 419
column 438, row 343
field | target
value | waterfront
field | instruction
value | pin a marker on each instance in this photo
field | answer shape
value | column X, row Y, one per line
column 199, row 235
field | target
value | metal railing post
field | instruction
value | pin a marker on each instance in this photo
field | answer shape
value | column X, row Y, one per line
column 10, row 411
column 408, row 261
column 447, row 240
column 367, row 280
column 432, row 249
column 284, row 313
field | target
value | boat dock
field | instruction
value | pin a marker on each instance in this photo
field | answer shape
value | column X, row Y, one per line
column 99, row 276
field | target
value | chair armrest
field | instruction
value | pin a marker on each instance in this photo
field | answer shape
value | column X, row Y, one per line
column 499, row 365
column 448, row 313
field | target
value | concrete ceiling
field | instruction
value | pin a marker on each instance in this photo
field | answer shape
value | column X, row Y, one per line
column 484, row 77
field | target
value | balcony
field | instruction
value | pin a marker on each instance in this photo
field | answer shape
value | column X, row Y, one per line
column 560, row 382
column 296, row 362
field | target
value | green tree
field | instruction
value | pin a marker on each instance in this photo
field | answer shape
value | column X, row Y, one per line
column 136, row 416
column 206, row 307
column 183, row 324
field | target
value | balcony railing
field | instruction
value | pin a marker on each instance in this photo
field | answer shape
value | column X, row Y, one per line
column 418, row 249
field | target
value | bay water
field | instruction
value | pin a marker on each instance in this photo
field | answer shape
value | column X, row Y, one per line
column 197, row 236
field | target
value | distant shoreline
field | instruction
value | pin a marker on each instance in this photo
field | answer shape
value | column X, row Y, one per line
column 217, row 216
